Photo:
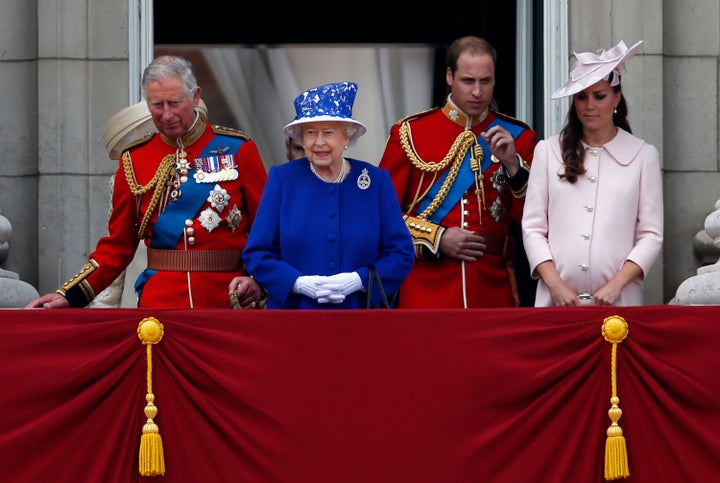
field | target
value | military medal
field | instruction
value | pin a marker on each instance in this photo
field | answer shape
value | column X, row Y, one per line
column 218, row 198
column 209, row 219
column 217, row 167
column 182, row 168
column 234, row 217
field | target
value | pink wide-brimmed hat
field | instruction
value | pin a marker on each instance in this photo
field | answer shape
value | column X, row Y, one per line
column 590, row 68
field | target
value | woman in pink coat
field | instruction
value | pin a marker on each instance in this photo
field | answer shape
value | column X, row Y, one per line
column 593, row 219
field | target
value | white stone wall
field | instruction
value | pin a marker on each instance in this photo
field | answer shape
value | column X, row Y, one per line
column 82, row 80
column 19, row 134
column 691, row 48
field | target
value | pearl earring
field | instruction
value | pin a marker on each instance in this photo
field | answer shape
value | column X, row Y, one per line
column 614, row 111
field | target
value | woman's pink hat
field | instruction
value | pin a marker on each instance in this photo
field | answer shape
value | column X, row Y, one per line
column 590, row 68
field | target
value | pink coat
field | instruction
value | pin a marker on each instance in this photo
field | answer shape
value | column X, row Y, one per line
column 613, row 213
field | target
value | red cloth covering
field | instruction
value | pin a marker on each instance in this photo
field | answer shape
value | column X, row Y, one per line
column 436, row 396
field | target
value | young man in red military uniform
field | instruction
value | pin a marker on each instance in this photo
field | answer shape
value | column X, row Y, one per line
column 460, row 173
column 190, row 192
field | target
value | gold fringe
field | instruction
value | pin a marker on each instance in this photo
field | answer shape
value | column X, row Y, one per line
column 152, row 461
column 615, row 330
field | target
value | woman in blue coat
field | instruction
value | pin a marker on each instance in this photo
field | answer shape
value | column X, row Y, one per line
column 324, row 219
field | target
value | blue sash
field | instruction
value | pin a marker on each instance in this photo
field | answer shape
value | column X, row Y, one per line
column 465, row 177
column 170, row 224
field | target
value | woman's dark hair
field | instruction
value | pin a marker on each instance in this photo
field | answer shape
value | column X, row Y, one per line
column 570, row 145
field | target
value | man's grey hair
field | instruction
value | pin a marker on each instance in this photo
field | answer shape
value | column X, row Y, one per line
column 168, row 67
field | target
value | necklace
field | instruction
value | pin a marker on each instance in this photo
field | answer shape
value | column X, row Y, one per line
column 340, row 176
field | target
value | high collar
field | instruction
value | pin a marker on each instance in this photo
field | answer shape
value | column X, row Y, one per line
column 190, row 137
column 454, row 113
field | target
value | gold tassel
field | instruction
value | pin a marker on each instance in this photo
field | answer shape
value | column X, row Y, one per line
column 615, row 330
column 152, row 462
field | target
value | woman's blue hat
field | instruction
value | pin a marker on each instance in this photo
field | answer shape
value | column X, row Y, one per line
column 328, row 102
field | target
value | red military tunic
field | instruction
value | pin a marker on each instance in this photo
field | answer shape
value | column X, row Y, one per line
column 437, row 281
column 214, row 228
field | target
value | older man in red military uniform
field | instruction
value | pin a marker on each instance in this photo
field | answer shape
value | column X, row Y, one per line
column 460, row 173
column 190, row 192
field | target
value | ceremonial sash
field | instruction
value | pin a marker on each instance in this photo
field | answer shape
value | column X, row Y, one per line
column 170, row 224
column 465, row 177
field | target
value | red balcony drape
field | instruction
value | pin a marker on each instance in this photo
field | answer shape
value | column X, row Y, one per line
column 436, row 396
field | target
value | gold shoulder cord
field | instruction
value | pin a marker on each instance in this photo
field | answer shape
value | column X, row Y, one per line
column 163, row 173
column 462, row 143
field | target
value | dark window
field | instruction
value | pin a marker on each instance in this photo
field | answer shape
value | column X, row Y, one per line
column 269, row 24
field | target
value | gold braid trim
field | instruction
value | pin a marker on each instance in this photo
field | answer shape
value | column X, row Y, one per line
column 457, row 151
column 476, row 167
column 162, row 175
column 456, row 154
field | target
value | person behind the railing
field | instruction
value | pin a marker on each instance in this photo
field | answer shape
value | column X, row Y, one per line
column 593, row 219
column 325, row 219
column 460, row 173
column 190, row 193
column 294, row 148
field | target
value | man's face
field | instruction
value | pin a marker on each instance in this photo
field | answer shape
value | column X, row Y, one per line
column 473, row 83
column 295, row 149
column 173, row 112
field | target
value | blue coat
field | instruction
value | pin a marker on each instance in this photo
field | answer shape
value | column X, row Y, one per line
column 305, row 226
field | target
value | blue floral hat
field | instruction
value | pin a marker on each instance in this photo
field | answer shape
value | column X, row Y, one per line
column 328, row 102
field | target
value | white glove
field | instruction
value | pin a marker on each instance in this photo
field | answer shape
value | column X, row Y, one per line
column 308, row 285
column 342, row 283
column 329, row 297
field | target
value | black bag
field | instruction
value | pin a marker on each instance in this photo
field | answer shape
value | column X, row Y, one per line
column 385, row 302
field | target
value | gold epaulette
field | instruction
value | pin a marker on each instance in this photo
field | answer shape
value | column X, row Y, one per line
column 511, row 119
column 138, row 142
column 424, row 233
column 228, row 131
column 417, row 115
